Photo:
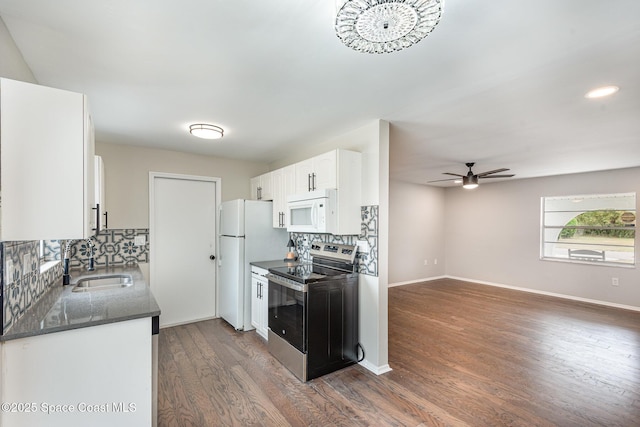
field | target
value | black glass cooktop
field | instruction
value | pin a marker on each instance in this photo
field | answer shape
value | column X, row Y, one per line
column 306, row 272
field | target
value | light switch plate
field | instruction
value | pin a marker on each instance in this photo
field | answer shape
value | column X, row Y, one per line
column 9, row 272
column 26, row 264
column 140, row 241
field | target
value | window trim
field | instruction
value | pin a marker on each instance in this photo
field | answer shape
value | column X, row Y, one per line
column 567, row 259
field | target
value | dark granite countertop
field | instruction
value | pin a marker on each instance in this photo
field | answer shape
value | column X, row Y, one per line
column 60, row 309
column 271, row 264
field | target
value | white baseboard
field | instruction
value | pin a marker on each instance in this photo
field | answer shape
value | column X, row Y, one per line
column 378, row 370
column 552, row 294
column 412, row 282
column 188, row 321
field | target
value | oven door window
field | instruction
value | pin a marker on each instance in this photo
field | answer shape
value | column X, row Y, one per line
column 287, row 312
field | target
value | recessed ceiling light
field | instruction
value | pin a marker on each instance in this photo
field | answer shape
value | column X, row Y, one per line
column 601, row 91
column 206, row 131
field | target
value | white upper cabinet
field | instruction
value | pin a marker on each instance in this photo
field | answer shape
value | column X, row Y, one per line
column 283, row 181
column 46, row 164
column 261, row 187
column 339, row 169
column 100, row 195
column 317, row 173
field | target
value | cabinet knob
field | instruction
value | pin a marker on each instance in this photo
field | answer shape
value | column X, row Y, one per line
column 212, row 257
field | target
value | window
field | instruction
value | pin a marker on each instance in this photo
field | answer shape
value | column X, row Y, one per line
column 49, row 253
column 597, row 228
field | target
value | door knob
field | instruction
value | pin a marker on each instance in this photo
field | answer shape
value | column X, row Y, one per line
column 212, row 257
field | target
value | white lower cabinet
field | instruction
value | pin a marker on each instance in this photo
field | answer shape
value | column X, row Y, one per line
column 259, row 300
column 94, row 376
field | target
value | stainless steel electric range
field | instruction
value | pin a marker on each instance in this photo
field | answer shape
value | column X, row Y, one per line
column 313, row 312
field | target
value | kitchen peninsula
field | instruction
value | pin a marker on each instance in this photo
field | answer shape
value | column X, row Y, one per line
column 83, row 358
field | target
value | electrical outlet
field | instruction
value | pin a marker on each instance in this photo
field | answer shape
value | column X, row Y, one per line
column 614, row 281
column 435, row 261
column 363, row 246
column 426, row 262
column 140, row 240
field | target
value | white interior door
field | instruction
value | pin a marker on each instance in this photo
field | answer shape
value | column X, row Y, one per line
column 182, row 239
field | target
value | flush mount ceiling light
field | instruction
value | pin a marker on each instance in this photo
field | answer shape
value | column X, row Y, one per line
column 601, row 92
column 384, row 26
column 202, row 130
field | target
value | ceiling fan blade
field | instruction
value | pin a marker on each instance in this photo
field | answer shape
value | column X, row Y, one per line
column 480, row 175
column 454, row 174
column 441, row 180
column 497, row 176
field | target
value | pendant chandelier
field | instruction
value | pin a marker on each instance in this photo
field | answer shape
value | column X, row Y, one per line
column 384, row 26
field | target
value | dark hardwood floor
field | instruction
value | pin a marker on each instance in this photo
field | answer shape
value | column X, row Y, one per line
column 462, row 355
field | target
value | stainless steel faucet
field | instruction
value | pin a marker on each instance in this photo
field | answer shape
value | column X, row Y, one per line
column 90, row 247
column 66, row 277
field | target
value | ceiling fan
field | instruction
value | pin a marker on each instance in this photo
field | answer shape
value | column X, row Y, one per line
column 470, row 180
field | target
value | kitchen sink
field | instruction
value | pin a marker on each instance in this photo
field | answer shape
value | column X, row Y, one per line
column 103, row 282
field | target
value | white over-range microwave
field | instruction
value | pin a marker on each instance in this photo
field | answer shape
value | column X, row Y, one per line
column 313, row 212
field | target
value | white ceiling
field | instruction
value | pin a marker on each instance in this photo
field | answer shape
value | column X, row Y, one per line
column 498, row 82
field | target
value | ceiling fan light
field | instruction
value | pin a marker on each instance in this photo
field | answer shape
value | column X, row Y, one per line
column 206, row 131
column 470, row 182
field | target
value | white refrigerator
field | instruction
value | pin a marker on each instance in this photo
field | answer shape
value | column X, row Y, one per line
column 246, row 234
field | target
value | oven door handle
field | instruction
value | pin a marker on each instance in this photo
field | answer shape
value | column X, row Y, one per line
column 291, row 285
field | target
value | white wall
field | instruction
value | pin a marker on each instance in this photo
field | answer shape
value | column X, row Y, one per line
column 12, row 65
column 127, row 178
column 493, row 235
column 416, row 232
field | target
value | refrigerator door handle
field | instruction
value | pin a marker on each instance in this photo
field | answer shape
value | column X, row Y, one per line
column 220, row 216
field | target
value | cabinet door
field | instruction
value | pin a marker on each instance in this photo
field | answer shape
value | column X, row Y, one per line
column 267, row 189
column 264, row 313
column 303, row 170
column 92, row 212
column 324, row 168
column 100, row 196
column 115, row 359
column 283, row 181
column 277, row 182
column 255, row 188
column 255, row 303
column 46, row 160
column 288, row 189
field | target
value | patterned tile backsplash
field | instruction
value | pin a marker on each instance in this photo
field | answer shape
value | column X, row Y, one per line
column 367, row 262
column 23, row 284
column 111, row 248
